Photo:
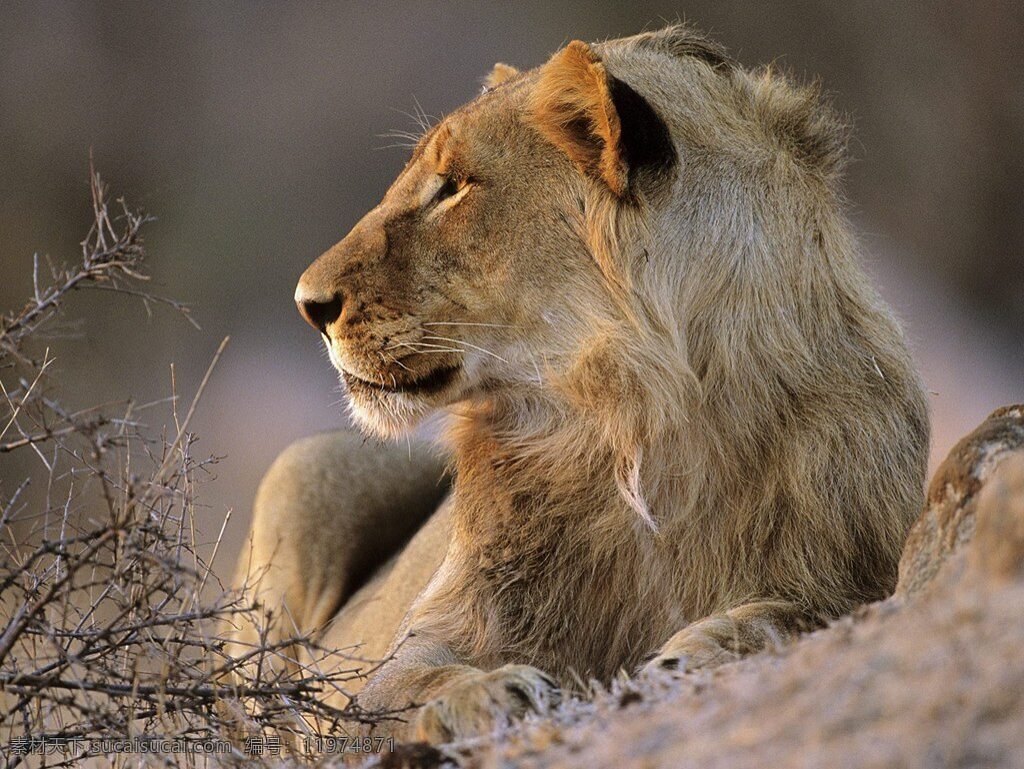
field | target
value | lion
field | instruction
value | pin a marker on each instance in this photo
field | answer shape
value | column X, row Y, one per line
column 682, row 425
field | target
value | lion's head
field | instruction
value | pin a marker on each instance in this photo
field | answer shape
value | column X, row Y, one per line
column 487, row 266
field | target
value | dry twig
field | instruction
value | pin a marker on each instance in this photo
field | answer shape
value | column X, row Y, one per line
column 107, row 628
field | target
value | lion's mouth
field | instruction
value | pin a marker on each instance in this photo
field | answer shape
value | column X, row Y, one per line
column 430, row 383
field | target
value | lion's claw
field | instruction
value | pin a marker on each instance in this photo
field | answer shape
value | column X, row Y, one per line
column 687, row 651
column 484, row 701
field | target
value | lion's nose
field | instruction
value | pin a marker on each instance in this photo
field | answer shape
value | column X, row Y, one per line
column 318, row 310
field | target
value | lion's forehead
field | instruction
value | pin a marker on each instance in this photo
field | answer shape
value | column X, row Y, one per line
column 492, row 120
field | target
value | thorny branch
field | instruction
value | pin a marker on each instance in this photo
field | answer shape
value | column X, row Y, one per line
column 107, row 627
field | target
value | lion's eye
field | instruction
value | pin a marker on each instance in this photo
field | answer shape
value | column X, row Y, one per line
column 451, row 191
column 448, row 188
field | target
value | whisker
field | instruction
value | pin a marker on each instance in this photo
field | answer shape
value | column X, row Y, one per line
column 416, row 347
column 424, row 119
column 406, row 140
column 385, row 357
column 398, row 146
column 420, row 117
column 473, row 346
column 407, row 135
column 454, row 323
column 431, row 344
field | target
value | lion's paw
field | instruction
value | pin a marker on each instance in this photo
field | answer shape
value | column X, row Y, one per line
column 690, row 649
column 484, row 701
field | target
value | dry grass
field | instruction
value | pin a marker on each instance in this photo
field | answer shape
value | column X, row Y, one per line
column 110, row 612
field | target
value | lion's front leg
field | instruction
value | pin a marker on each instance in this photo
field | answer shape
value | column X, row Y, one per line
column 452, row 701
column 730, row 635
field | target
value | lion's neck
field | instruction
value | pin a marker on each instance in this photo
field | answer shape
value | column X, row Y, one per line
column 556, row 466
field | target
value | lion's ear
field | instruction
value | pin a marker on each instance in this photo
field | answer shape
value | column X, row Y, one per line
column 572, row 105
column 501, row 73
column 605, row 127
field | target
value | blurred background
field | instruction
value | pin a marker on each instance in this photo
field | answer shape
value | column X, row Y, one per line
column 256, row 133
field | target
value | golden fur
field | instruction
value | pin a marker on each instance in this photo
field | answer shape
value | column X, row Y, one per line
column 680, row 417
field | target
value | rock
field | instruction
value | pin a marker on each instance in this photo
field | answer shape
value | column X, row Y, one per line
column 948, row 520
column 998, row 547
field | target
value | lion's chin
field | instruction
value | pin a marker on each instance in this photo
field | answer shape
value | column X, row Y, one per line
column 390, row 411
column 386, row 419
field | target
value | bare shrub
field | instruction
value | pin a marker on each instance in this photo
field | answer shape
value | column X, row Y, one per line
column 109, row 610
